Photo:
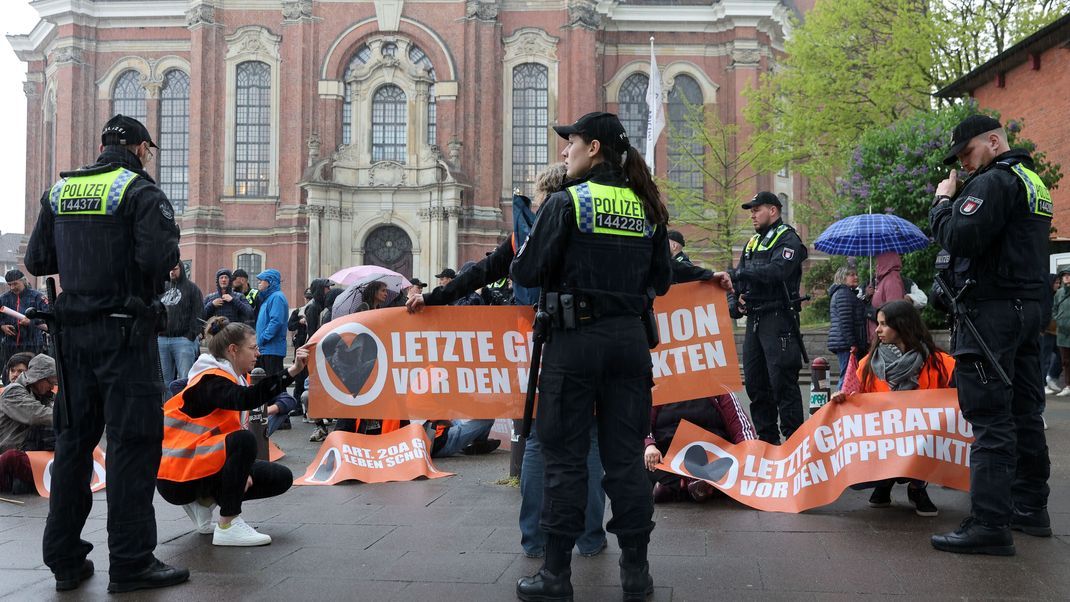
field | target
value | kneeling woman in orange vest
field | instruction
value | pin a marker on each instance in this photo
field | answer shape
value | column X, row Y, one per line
column 208, row 458
column 902, row 357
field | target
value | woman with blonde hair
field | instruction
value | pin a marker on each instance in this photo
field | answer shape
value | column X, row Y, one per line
column 208, row 457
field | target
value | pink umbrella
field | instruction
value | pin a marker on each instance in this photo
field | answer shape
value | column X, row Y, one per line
column 358, row 279
column 362, row 274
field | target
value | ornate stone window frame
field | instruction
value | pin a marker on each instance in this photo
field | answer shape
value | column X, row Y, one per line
column 526, row 45
column 151, row 70
column 380, row 71
column 708, row 87
column 251, row 43
column 249, row 251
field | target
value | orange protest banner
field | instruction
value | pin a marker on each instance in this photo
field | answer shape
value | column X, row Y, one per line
column 275, row 452
column 41, row 465
column 401, row 455
column 869, row 437
column 472, row 362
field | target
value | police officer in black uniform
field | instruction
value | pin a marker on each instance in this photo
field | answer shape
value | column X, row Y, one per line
column 600, row 248
column 110, row 234
column 766, row 284
column 996, row 232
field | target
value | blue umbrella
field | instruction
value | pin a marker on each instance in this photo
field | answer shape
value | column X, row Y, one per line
column 870, row 234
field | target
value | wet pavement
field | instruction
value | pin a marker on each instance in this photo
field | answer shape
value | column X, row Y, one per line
column 457, row 539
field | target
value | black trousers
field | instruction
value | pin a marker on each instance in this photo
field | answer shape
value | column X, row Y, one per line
column 114, row 385
column 272, row 364
column 771, row 363
column 601, row 372
column 227, row 487
column 1009, row 465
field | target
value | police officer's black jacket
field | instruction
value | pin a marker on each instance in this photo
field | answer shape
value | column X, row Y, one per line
column 604, row 266
column 992, row 234
column 104, row 260
column 763, row 273
column 491, row 268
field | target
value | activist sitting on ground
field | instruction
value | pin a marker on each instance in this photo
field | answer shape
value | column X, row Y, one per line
column 721, row 415
column 16, row 365
column 208, row 458
column 902, row 357
column 26, row 422
column 469, row 437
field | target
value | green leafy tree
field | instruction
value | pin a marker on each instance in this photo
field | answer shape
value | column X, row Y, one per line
column 725, row 159
column 971, row 32
column 852, row 65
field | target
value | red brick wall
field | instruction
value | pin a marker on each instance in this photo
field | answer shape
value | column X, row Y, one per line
column 474, row 117
column 1039, row 98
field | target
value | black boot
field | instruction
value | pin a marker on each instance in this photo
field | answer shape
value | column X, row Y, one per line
column 553, row 582
column 1036, row 523
column 974, row 537
column 635, row 577
column 153, row 576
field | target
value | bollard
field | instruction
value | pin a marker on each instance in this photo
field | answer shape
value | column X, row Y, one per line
column 257, row 422
column 819, row 388
column 516, row 450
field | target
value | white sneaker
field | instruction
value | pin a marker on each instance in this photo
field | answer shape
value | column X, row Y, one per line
column 1045, row 421
column 239, row 533
column 1064, row 392
column 201, row 516
column 1053, row 385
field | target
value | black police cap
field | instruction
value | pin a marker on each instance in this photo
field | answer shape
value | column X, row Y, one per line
column 122, row 130
column 603, row 127
column 763, row 198
column 446, row 273
column 967, row 130
column 677, row 237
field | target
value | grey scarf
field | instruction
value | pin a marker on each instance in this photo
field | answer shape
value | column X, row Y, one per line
column 900, row 370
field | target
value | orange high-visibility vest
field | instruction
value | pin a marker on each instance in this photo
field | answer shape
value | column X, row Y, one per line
column 194, row 448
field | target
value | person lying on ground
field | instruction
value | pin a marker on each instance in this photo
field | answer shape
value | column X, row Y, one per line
column 721, row 415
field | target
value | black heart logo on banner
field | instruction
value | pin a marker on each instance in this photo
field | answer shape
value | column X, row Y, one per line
column 698, row 464
column 353, row 363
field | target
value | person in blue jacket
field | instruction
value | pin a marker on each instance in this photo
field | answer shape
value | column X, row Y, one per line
column 271, row 321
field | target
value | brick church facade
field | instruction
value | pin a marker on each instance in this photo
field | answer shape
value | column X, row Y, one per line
column 309, row 136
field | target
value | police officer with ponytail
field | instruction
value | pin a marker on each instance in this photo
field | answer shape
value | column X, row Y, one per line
column 599, row 250
column 110, row 234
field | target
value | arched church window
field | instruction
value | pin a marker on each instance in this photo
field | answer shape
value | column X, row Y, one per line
column 633, row 109
column 360, row 57
column 389, row 124
column 174, row 138
column 531, row 107
column 683, row 170
column 128, row 97
column 252, row 146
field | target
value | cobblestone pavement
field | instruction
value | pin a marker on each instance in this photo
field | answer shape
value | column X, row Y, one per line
column 457, row 539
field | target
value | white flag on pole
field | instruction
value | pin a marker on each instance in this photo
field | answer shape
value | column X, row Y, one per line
column 655, row 117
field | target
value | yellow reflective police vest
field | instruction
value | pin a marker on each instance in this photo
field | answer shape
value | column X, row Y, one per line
column 97, row 194
column 759, row 243
column 602, row 209
column 1036, row 192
